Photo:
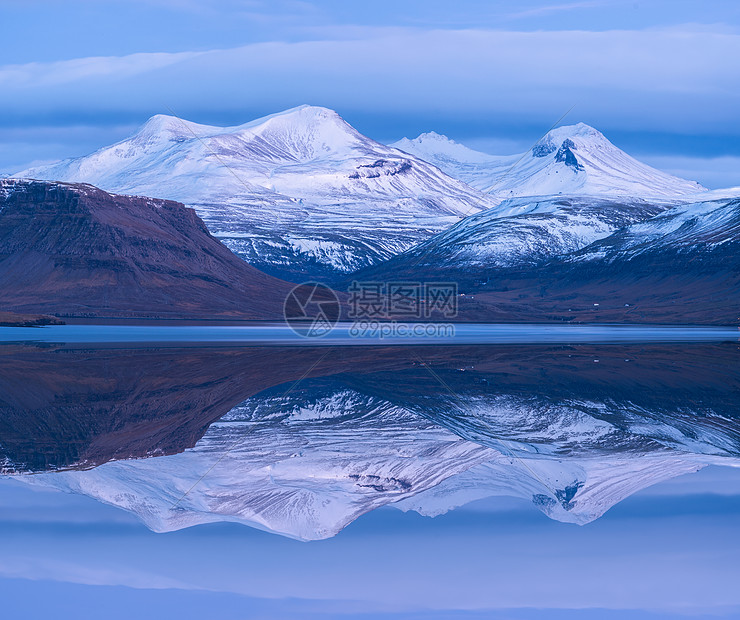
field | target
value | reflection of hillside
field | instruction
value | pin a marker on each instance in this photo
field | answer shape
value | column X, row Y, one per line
column 64, row 407
column 238, row 437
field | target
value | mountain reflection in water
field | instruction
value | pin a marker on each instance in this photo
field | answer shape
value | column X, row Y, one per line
column 302, row 441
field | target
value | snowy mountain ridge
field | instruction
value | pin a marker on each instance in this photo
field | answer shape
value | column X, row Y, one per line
column 568, row 160
column 529, row 231
column 301, row 193
column 694, row 228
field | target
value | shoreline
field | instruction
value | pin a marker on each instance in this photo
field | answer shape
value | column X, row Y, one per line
column 344, row 334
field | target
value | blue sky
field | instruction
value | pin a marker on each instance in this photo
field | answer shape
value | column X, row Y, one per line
column 660, row 78
column 669, row 551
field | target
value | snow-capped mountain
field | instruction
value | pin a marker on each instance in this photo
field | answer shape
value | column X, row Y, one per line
column 568, row 160
column 477, row 169
column 527, row 231
column 694, row 231
column 571, row 190
column 302, row 193
column 587, row 259
column 293, row 192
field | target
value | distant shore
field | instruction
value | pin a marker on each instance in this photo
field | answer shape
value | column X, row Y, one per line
column 11, row 319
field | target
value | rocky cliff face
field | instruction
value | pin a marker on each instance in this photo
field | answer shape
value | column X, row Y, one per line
column 75, row 250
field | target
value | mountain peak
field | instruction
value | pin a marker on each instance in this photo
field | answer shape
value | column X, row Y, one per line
column 580, row 130
column 307, row 109
column 580, row 133
column 569, row 137
column 305, row 115
column 164, row 127
column 173, row 126
column 433, row 136
column 437, row 148
column 305, row 132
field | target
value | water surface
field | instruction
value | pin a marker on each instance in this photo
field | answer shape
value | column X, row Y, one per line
column 351, row 334
column 391, row 480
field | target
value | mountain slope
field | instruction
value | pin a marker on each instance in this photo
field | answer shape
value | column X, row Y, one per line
column 526, row 231
column 477, row 169
column 569, row 160
column 293, row 192
column 75, row 250
column 573, row 189
column 682, row 265
column 711, row 228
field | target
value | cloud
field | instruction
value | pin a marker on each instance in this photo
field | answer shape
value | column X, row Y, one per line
column 38, row 569
column 712, row 172
column 669, row 78
column 43, row 75
column 395, row 81
column 557, row 8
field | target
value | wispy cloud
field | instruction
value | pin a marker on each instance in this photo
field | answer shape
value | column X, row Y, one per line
column 56, row 569
column 491, row 71
column 711, row 172
column 39, row 75
column 406, row 80
column 546, row 9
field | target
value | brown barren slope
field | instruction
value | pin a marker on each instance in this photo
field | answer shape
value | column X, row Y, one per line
column 73, row 250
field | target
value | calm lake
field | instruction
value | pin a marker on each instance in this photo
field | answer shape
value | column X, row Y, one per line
column 526, row 468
